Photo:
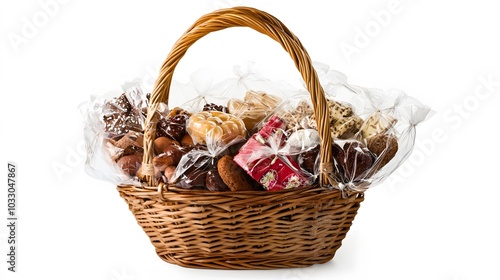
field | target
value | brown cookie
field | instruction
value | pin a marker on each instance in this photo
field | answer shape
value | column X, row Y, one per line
column 233, row 176
column 385, row 146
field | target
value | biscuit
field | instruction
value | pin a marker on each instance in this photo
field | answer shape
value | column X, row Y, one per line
column 385, row 146
column 233, row 176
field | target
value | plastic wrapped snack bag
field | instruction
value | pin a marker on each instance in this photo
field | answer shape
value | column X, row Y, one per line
column 113, row 125
column 269, row 157
column 248, row 95
column 202, row 92
column 205, row 167
column 243, row 131
column 373, row 131
column 246, row 79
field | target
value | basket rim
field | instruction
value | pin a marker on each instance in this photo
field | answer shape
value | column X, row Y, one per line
column 173, row 193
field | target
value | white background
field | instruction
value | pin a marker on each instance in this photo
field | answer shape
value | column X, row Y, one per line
column 436, row 218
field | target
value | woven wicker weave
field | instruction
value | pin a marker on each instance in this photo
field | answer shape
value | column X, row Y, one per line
column 242, row 230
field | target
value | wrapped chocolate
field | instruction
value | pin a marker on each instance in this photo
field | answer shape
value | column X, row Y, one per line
column 200, row 167
column 113, row 133
column 173, row 125
column 267, row 157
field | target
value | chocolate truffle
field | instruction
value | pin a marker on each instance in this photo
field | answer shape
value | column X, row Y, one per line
column 171, row 156
column 130, row 164
column 353, row 160
column 194, row 177
column 162, row 142
column 169, row 173
column 214, row 181
column 173, row 126
column 187, row 141
column 307, row 160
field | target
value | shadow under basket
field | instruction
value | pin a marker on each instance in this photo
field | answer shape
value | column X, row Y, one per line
column 244, row 230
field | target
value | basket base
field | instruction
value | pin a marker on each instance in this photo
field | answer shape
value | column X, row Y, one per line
column 241, row 264
column 244, row 230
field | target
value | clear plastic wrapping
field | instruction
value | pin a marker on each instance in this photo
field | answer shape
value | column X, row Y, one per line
column 199, row 169
column 373, row 131
column 270, row 155
column 236, row 133
column 113, row 131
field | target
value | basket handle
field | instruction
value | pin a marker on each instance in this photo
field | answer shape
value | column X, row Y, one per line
column 263, row 23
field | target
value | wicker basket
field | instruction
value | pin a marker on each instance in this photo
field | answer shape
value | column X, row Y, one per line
column 246, row 229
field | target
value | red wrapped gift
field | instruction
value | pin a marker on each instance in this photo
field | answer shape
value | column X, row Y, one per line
column 263, row 158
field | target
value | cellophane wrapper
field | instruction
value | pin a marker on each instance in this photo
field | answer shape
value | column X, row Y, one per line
column 373, row 130
column 113, row 129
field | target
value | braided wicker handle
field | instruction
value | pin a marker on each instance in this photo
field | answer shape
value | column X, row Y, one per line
column 263, row 23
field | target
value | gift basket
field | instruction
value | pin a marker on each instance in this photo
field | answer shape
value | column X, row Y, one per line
column 255, row 183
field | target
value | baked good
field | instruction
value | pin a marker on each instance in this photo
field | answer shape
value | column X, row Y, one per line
column 295, row 119
column 177, row 111
column 173, row 124
column 193, row 168
column 377, row 123
column 131, row 150
column 126, row 140
column 274, row 124
column 216, row 125
column 233, row 175
column 344, row 124
column 346, row 128
column 253, row 108
column 385, row 146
